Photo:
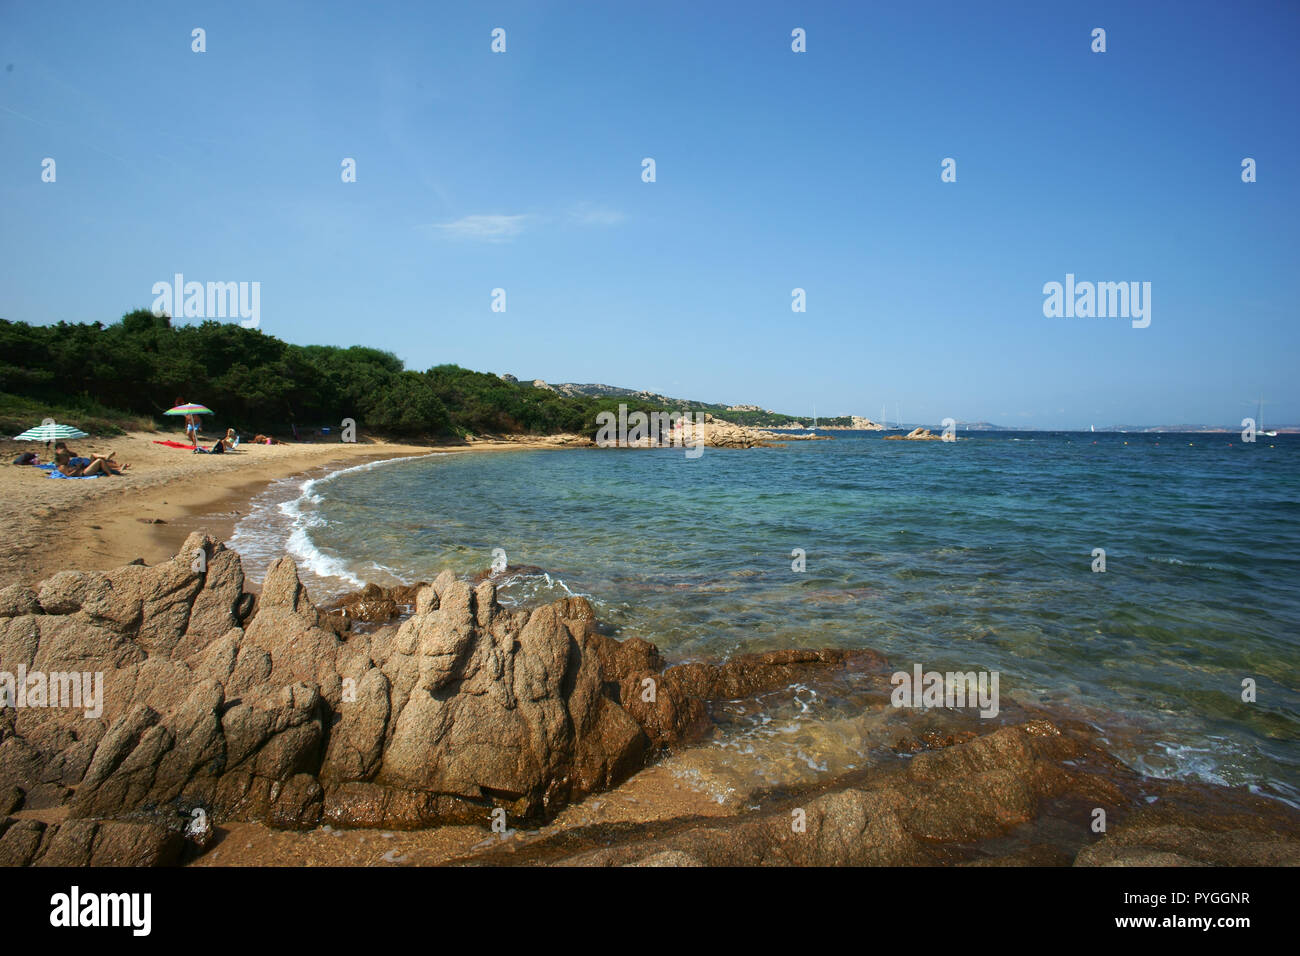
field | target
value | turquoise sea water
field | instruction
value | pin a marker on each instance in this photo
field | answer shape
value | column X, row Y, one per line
column 969, row 555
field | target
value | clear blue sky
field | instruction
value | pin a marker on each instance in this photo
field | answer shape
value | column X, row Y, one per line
column 775, row 170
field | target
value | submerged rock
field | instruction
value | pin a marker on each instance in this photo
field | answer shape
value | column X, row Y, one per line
column 1022, row 795
column 374, row 604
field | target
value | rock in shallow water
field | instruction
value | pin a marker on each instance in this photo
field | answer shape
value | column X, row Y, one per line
column 286, row 719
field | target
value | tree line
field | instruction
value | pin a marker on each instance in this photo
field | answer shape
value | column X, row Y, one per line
column 256, row 382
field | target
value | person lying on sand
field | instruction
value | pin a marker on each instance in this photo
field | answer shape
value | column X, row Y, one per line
column 110, row 460
column 99, row 465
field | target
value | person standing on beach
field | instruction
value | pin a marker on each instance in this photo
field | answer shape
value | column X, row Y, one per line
column 191, row 425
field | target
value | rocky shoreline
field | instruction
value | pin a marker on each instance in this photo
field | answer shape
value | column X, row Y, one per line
column 221, row 712
column 711, row 433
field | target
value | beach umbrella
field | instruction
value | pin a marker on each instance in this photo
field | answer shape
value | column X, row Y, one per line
column 189, row 409
column 50, row 431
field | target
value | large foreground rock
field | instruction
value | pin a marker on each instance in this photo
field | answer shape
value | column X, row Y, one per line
column 198, row 711
column 289, row 717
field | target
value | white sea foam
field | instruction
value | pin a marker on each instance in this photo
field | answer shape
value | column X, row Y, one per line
column 282, row 522
column 523, row 588
column 1179, row 562
column 260, row 536
column 1175, row 761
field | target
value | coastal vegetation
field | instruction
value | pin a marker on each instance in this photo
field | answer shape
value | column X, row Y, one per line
column 766, row 419
column 18, row 413
column 123, row 375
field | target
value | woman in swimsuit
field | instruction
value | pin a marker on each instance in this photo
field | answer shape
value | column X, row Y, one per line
column 99, row 464
column 191, row 425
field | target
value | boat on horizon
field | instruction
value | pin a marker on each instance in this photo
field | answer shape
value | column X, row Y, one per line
column 1259, row 421
column 884, row 421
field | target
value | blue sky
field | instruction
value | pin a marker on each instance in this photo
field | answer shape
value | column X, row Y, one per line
column 775, row 170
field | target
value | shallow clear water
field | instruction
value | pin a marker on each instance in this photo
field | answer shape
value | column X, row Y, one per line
column 968, row 555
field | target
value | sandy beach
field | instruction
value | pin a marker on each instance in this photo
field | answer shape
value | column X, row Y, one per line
column 48, row 525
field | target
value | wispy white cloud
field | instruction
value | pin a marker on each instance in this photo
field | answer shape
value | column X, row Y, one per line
column 497, row 228
column 594, row 214
column 483, row 228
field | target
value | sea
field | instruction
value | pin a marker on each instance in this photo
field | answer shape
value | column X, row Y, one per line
column 1147, row 584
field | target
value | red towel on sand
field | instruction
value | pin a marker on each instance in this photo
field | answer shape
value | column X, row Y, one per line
column 173, row 444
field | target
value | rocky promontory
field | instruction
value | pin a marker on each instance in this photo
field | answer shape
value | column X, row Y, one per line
column 204, row 709
column 284, row 714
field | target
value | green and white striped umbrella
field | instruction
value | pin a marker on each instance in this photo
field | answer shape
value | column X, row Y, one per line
column 49, row 431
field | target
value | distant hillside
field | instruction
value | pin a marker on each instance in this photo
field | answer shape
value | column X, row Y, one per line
column 751, row 415
column 574, row 390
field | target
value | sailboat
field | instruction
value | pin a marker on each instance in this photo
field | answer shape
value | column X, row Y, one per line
column 884, row 420
column 1259, row 421
column 813, row 430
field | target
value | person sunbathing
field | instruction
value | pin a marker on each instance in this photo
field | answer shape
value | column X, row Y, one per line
column 70, row 465
column 221, row 445
column 109, row 460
